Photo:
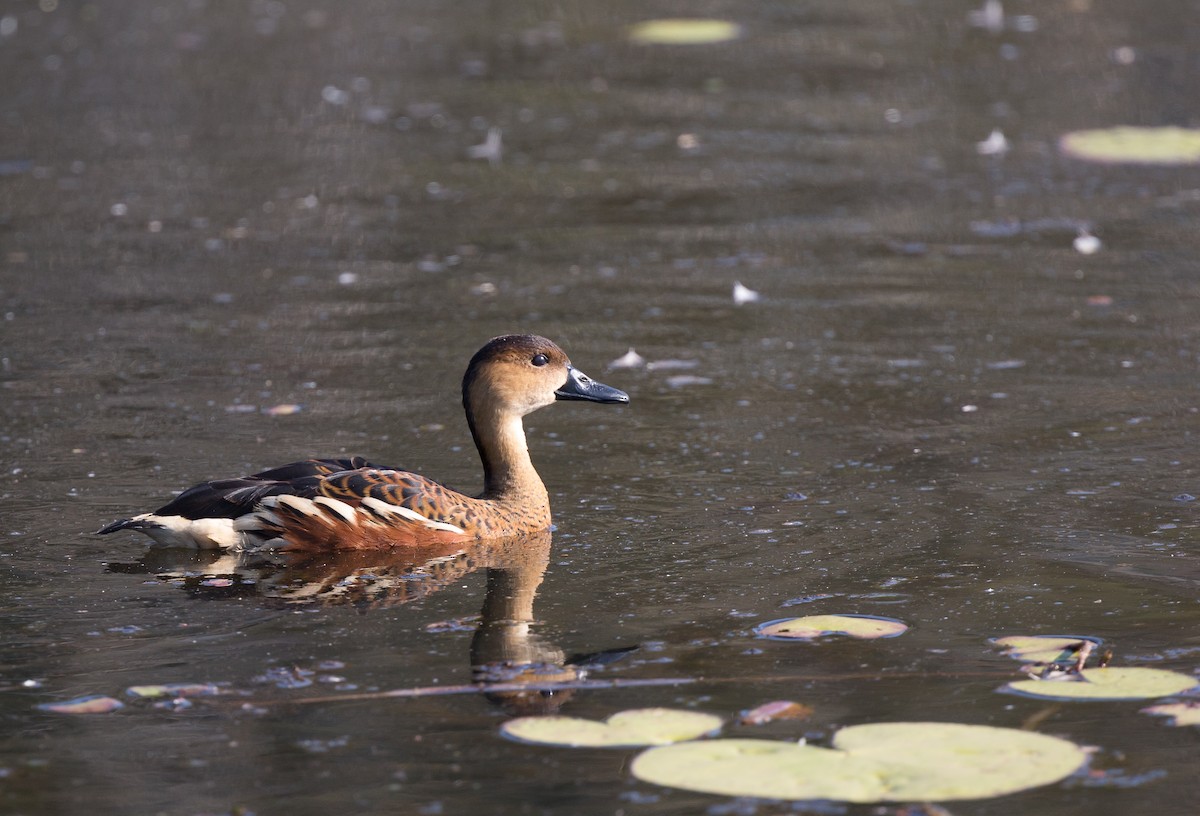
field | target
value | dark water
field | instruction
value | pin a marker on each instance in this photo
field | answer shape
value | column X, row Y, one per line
column 939, row 411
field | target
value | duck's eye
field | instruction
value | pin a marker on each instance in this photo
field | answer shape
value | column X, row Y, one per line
column 540, row 360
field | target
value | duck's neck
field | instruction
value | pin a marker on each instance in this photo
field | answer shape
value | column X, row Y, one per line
column 508, row 473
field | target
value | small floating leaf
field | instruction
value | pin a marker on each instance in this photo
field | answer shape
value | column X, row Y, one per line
column 809, row 627
column 173, row 690
column 1183, row 713
column 93, row 704
column 1112, row 683
column 684, row 31
column 1043, row 648
column 777, row 710
column 640, row 726
column 884, row 762
column 1134, row 145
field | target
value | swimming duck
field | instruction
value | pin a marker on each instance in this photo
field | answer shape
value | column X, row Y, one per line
column 327, row 504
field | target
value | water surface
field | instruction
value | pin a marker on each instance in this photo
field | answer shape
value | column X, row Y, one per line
column 939, row 411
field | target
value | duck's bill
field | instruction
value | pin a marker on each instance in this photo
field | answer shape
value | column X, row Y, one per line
column 580, row 386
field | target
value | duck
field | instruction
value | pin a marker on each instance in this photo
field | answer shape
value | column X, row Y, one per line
column 320, row 505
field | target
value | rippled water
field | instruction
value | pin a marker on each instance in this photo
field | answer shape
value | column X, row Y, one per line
column 938, row 410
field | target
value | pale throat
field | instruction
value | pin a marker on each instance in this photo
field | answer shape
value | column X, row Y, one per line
column 511, row 471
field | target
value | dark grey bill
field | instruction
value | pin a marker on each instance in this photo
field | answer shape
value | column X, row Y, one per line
column 580, row 386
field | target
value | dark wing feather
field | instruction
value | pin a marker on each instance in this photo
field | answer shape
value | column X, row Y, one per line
column 230, row 498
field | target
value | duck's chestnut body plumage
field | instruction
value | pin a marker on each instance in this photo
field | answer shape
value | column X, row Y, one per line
column 321, row 504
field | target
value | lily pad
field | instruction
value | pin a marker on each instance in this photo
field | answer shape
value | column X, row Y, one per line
column 1134, row 145
column 1183, row 713
column 810, row 627
column 1111, row 683
column 92, row 704
column 684, row 31
column 1043, row 648
column 886, row 762
column 636, row 727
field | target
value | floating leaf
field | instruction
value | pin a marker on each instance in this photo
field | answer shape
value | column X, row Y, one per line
column 1111, row 683
column 1043, row 648
column 173, row 690
column 809, row 627
column 884, row 762
column 684, row 31
column 777, row 710
column 640, row 726
column 1183, row 713
column 93, row 704
column 1134, row 145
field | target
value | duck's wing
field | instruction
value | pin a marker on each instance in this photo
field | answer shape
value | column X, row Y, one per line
column 231, row 498
column 365, row 508
column 400, row 489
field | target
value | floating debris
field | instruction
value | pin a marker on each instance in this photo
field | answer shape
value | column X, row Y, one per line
column 989, row 17
column 684, row 31
column 1086, row 244
column 684, row 380
column 630, row 359
column 743, row 294
column 1187, row 713
column 92, row 704
column 286, row 409
column 286, row 678
column 994, row 145
column 777, row 710
column 1134, row 145
column 492, row 148
column 173, row 690
column 467, row 624
column 335, row 95
column 671, row 365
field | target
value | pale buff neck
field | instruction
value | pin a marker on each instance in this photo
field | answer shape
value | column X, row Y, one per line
column 508, row 472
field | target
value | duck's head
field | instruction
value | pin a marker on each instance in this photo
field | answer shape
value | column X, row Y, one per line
column 519, row 373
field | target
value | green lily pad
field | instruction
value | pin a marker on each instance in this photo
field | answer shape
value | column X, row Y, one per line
column 1111, row 683
column 684, row 31
column 92, row 704
column 810, row 627
column 1134, row 145
column 885, row 762
column 636, row 727
column 1182, row 713
column 1043, row 648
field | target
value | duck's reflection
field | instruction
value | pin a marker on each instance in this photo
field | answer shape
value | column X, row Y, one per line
column 505, row 647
